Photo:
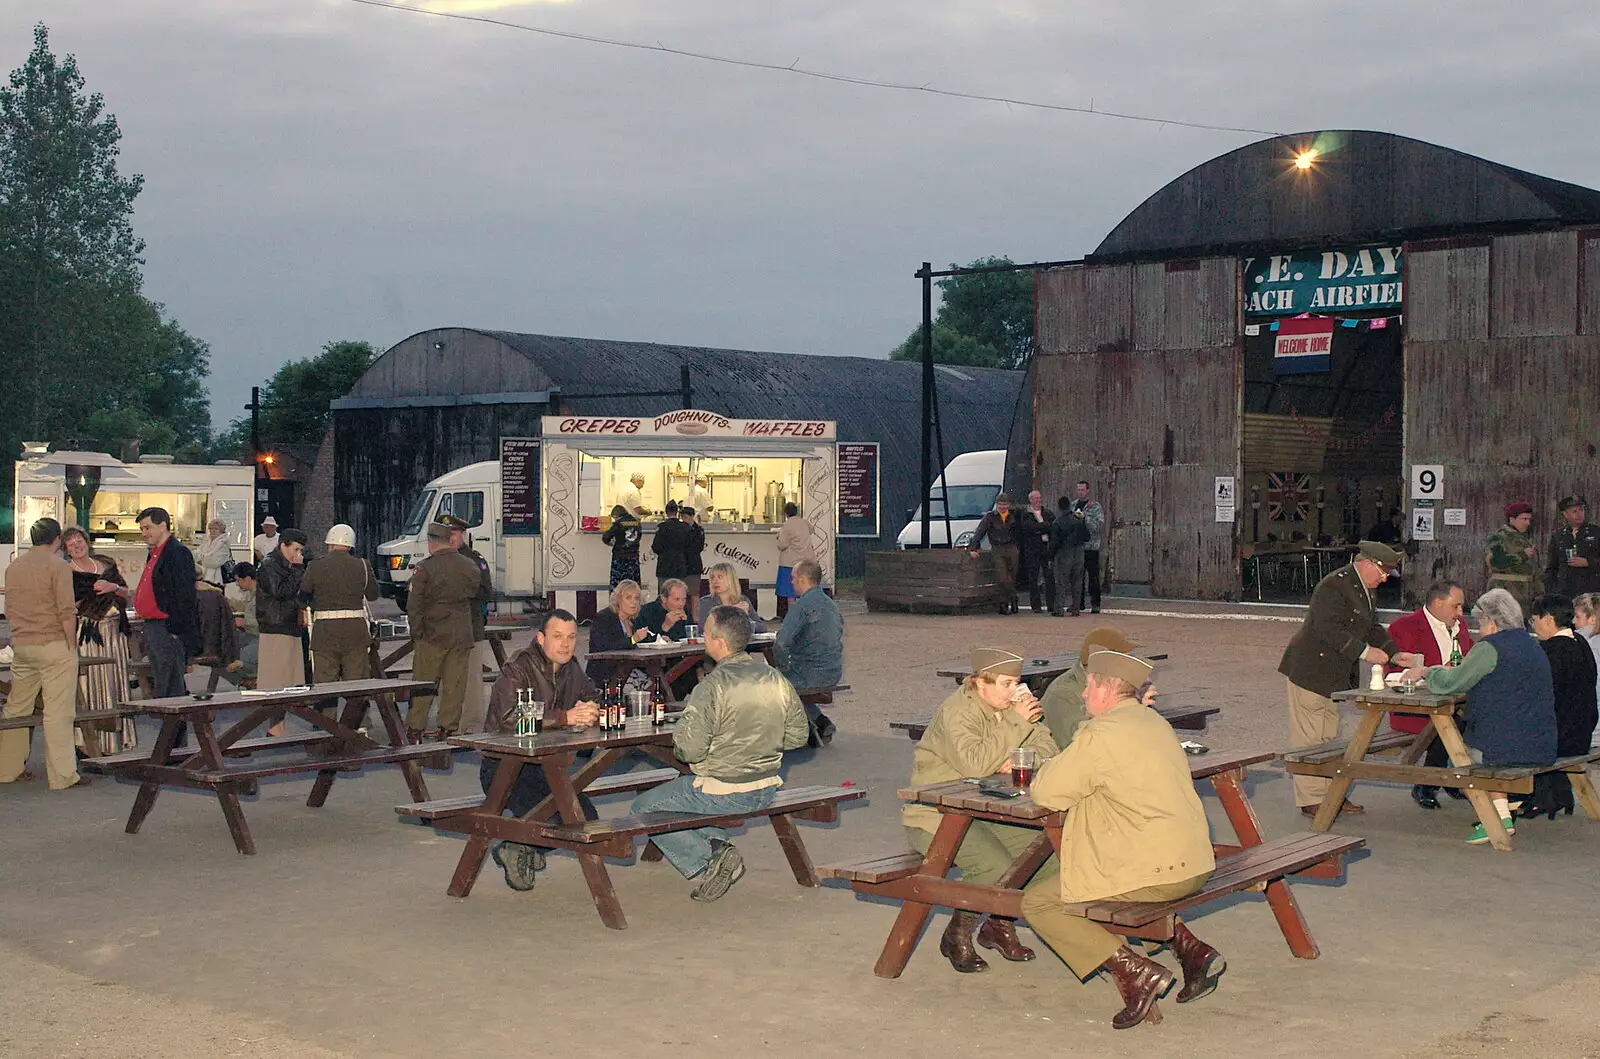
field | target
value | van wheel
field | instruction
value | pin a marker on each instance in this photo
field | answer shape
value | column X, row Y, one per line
column 400, row 596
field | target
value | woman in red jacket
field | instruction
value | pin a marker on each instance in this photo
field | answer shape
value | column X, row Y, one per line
column 1439, row 634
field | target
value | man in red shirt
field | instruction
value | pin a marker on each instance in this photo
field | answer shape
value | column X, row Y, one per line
column 1435, row 632
column 165, row 600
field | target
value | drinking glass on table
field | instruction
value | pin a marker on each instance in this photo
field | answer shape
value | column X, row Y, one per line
column 1024, row 760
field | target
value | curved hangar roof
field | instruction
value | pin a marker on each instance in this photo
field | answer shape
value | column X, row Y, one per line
column 1359, row 186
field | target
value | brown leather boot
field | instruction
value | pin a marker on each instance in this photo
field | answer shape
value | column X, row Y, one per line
column 956, row 945
column 1141, row 982
column 1001, row 936
column 413, row 735
column 1202, row 965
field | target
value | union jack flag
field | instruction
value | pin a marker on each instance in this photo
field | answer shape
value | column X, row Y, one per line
column 1288, row 497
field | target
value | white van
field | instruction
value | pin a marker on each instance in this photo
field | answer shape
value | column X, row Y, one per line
column 974, row 480
column 472, row 493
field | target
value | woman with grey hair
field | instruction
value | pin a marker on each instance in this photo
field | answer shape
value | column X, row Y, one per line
column 214, row 553
column 1509, row 720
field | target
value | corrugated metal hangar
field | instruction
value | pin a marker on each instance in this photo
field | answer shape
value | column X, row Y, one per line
column 1301, row 324
column 443, row 398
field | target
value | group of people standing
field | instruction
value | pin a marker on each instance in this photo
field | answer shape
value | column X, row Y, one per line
column 1036, row 548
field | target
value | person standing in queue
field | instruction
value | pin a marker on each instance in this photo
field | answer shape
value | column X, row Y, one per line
column 1033, row 538
column 1513, row 557
column 1341, row 628
column 337, row 588
column 1069, row 535
column 694, row 559
column 999, row 527
column 461, row 541
column 1573, row 565
column 1436, row 634
column 623, row 537
column 281, row 659
column 1094, row 518
column 1135, row 831
column 439, row 606
column 671, row 545
column 549, row 671
column 971, row 736
column 794, row 546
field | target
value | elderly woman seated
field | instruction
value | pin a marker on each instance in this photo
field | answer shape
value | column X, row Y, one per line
column 1510, row 717
column 616, row 628
column 971, row 736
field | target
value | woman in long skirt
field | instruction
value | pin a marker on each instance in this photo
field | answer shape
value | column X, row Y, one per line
column 101, row 593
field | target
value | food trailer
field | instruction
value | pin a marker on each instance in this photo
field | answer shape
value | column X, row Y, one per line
column 104, row 496
column 751, row 468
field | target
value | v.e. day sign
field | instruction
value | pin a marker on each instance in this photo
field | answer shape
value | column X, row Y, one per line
column 1322, row 282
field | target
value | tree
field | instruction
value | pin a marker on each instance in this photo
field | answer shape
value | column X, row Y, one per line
column 294, row 402
column 93, row 361
column 986, row 319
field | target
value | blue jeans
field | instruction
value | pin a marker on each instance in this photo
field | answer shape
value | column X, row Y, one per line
column 690, row 851
column 168, row 659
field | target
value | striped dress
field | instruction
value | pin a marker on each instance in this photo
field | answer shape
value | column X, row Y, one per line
column 101, row 635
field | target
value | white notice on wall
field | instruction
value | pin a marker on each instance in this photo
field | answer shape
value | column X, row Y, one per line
column 1422, row 523
column 1455, row 516
column 1427, row 481
column 1223, row 494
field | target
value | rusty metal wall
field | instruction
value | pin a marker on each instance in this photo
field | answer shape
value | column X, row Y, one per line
column 1137, row 382
column 1506, row 403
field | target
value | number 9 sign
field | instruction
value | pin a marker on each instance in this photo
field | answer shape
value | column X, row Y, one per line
column 1427, row 481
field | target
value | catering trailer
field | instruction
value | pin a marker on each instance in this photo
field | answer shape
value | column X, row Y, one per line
column 539, row 512
column 104, row 496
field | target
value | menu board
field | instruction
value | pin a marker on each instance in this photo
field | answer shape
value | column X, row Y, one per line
column 519, row 487
column 858, row 489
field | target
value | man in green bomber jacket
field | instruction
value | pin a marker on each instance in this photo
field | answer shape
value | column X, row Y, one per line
column 735, row 727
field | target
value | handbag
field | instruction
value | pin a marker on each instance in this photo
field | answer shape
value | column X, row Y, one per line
column 227, row 572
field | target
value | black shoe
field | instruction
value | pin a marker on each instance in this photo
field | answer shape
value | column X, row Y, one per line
column 1425, row 796
column 1094, row 610
column 1457, row 793
column 825, row 729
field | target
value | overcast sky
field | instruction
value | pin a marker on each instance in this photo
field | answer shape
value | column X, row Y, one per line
column 319, row 170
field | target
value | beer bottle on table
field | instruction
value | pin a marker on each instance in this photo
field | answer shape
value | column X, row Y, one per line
column 1455, row 652
column 604, row 721
column 658, row 703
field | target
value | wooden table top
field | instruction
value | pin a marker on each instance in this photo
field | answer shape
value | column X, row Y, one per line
column 563, row 740
column 671, row 649
column 1171, row 711
column 180, row 704
column 1396, row 701
column 1047, row 666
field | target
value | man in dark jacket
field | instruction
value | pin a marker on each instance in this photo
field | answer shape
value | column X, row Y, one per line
column 165, row 600
column 549, row 670
column 1069, row 536
column 671, row 545
column 999, row 527
column 1572, row 566
column 694, row 565
column 281, row 660
column 439, row 607
column 1033, row 536
column 461, row 541
column 1341, row 628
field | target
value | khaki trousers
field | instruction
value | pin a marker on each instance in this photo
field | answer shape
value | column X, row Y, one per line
column 51, row 669
column 1313, row 720
column 1083, row 944
column 447, row 666
column 475, row 702
column 330, row 666
column 987, row 850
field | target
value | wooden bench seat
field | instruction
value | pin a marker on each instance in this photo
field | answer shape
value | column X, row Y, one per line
column 82, row 717
column 820, row 804
column 1575, row 763
column 882, row 869
column 1324, row 753
column 242, row 748
column 628, row 781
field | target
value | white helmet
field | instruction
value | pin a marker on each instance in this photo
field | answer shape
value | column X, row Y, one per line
column 341, row 535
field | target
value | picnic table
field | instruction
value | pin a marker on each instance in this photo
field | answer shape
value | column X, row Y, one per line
column 496, row 634
column 1187, row 718
column 1044, row 668
column 1345, row 761
column 336, row 744
column 558, row 821
column 88, row 720
column 668, row 662
column 919, row 881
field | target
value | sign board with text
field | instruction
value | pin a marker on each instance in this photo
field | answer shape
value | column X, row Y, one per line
column 1427, row 481
column 1324, row 282
column 858, row 489
column 519, row 487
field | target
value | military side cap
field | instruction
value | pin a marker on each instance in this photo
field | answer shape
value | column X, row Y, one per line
column 997, row 661
column 1573, row 501
column 1122, row 666
column 1379, row 553
column 455, row 522
column 1105, row 638
column 438, row 531
column 1521, row 507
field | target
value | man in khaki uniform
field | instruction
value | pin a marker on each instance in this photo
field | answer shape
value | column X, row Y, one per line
column 461, row 541
column 1341, row 628
column 1135, row 831
column 1063, row 699
column 1513, row 558
column 971, row 736
column 439, row 605
column 44, row 641
column 336, row 588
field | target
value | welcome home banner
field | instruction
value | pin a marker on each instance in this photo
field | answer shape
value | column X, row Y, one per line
column 1303, row 345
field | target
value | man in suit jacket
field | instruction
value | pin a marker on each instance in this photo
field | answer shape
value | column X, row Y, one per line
column 1341, row 628
column 1437, row 633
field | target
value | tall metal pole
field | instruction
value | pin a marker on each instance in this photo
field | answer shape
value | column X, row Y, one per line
column 255, row 428
column 928, row 396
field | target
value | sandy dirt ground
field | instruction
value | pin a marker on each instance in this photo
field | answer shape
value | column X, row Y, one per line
column 338, row 940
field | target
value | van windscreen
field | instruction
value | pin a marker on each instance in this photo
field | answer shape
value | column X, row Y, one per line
column 419, row 514
column 966, row 501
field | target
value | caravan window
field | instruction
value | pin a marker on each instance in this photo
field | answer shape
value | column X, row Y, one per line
column 468, row 507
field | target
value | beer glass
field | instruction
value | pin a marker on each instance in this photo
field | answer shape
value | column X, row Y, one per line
column 1024, row 759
